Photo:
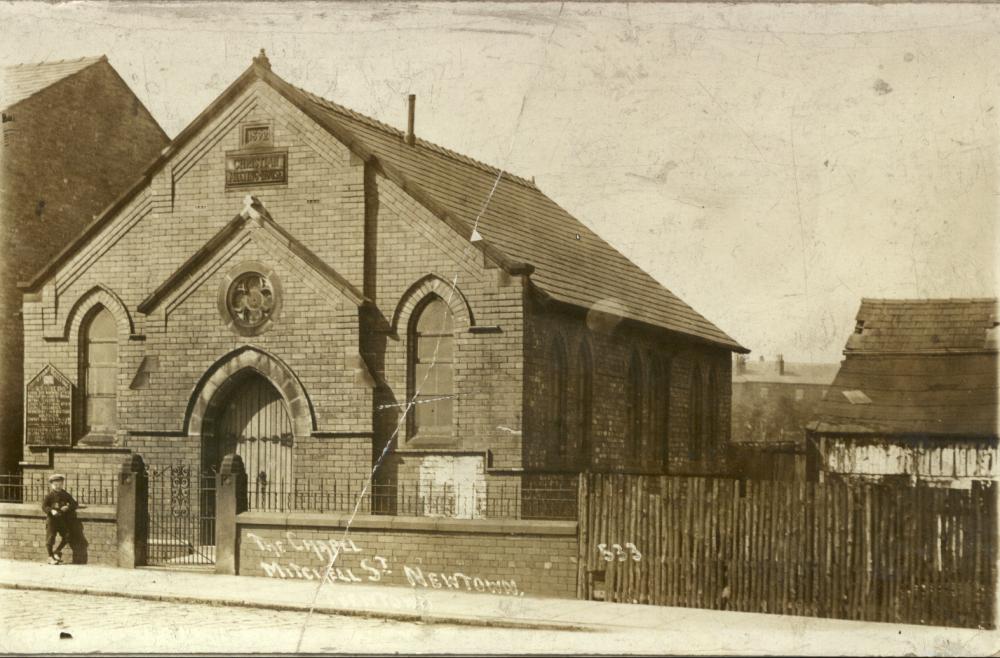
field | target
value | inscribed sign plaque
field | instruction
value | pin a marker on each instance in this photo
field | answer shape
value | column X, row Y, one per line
column 256, row 168
column 48, row 409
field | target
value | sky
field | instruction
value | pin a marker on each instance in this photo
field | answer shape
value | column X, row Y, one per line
column 769, row 164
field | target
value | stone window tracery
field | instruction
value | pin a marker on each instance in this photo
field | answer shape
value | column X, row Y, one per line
column 250, row 298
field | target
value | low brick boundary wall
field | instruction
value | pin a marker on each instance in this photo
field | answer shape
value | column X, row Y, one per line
column 22, row 534
column 537, row 558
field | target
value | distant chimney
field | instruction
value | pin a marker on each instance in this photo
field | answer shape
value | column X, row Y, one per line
column 781, row 364
column 410, row 137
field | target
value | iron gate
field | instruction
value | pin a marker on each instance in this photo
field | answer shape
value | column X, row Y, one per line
column 181, row 516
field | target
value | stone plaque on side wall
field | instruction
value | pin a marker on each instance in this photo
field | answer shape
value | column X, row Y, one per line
column 48, row 409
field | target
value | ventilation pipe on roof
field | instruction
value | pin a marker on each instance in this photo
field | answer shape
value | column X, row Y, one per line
column 781, row 364
column 410, row 137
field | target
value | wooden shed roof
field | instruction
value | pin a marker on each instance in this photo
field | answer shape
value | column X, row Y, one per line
column 923, row 367
column 921, row 325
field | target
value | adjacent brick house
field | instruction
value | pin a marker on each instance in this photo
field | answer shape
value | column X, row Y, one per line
column 773, row 400
column 74, row 135
column 289, row 273
column 916, row 395
column 772, row 403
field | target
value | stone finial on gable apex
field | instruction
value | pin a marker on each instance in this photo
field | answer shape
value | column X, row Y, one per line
column 262, row 60
column 252, row 207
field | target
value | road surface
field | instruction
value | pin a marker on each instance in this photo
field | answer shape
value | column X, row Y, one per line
column 36, row 621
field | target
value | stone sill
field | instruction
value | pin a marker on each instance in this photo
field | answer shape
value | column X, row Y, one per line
column 444, row 450
column 341, row 520
column 78, row 447
column 34, row 510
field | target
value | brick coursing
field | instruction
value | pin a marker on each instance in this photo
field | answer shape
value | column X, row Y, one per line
column 93, row 470
column 333, row 205
column 23, row 538
column 67, row 153
column 610, row 347
column 537, row 565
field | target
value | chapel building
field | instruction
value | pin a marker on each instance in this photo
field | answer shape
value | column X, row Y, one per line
column 322, row 293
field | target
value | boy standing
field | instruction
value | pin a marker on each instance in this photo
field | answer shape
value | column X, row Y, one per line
column 60, row 513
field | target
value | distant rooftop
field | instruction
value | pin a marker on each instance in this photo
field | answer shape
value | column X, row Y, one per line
column 25, row 80
column 764, row 371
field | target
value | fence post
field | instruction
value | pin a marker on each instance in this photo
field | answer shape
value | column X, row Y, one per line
column 132, row 521
column 230, row 500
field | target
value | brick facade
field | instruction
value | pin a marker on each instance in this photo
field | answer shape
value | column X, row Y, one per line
column 356, row 253
column 535, row 559
column 666, row 362
column 67, row 152
column 22, row 535
column 317, row 336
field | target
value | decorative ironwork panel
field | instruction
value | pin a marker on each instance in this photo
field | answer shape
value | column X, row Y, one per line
column 181, row 516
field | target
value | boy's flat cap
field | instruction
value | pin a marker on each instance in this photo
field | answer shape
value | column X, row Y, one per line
column 56, row 476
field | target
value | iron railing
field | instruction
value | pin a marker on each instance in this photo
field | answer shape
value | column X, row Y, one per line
column 181, row 516
column 490, row 500
column 87, row 489
column 507, row 500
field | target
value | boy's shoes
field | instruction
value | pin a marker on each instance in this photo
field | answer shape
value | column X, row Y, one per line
column 53, row 560
column 59, row 559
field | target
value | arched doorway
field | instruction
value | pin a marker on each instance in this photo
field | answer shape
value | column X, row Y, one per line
column 249, row 417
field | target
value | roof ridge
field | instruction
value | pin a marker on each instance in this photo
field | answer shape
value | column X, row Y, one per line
column 928, row 300
column 95, row 58
column 396, row 132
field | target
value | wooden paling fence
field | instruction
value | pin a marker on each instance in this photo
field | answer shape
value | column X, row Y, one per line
column 841, row 550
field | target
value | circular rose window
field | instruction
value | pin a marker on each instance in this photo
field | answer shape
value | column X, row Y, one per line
column 250, row 300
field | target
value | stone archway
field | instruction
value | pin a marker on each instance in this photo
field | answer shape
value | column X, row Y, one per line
column 212, row 387
column 250, row 403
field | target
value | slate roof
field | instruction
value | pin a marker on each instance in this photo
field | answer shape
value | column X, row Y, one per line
column 572, row 263
column 25, row 80
column 907, row 325
column 520, row 225
column 796, row 373
column 929, row 367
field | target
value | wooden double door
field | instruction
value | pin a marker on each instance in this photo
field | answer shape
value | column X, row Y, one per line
column 253, row 422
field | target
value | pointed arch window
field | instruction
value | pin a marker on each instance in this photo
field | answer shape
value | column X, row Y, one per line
column 633, row 391
column 431, row 370
column 585, row 394
column 99, row 371
column 557, row 407
column 712, row 414
column 695, row 416
column 663, row 402
column 651, row 392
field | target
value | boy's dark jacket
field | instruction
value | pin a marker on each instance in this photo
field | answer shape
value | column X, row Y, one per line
column 55, row 500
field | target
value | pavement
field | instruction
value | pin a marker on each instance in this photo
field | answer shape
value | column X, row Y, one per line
column 726, row 631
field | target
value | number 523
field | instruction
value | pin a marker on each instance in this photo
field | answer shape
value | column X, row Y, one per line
column 619, row 552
